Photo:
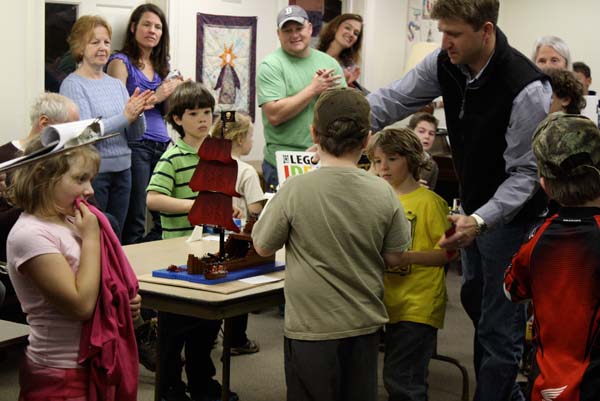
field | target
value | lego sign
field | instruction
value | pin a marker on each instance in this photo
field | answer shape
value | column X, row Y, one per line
column 291, row 163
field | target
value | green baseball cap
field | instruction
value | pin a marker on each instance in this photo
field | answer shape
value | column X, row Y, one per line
column 566, row 145
column 341, row 104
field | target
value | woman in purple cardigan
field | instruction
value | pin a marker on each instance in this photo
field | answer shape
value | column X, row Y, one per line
column 144, row 63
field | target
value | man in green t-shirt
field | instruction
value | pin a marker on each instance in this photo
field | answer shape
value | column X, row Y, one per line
column 289, row 80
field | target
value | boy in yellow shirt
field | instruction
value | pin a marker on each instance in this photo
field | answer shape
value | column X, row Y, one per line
column 415, row 291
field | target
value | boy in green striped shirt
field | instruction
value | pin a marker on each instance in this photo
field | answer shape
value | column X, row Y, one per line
column 190, row 112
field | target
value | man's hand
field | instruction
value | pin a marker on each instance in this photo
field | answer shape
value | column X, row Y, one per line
column 464, row 234
column 323, row 80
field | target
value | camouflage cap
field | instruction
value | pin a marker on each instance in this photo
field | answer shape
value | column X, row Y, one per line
column 341, row 104
column 566, row 145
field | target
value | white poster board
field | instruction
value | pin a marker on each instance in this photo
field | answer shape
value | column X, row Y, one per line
column 290, row 163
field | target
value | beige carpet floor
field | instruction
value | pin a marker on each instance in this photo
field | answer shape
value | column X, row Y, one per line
column 260, row 377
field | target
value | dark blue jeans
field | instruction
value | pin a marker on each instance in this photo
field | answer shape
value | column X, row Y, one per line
column 499, row 323
column 144, row 156
column 111, row 191
column 408, row 350
column 270, row 175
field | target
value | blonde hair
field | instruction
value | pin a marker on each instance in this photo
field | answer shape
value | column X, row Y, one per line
column 82, row 33
column 32, row 186
column 234, row 131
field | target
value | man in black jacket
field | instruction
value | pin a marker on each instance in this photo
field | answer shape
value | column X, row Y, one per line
column 494, row 98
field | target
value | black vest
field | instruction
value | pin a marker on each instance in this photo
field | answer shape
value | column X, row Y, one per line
column 477, row 116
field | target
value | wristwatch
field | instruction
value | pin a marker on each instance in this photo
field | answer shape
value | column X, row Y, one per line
column 481, row 226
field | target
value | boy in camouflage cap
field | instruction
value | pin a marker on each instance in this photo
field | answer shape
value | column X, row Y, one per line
column 558, row 268
column 567, row 148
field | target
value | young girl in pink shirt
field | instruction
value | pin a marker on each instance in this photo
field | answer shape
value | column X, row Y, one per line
column 54, row 263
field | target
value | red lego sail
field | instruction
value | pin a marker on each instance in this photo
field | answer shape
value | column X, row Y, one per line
column 214, row 209
column 214, row 179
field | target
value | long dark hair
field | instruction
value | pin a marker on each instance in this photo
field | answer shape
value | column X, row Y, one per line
column 350, row 55
column 160, row 54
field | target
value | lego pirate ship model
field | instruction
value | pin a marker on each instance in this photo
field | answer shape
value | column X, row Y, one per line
column 214, row 179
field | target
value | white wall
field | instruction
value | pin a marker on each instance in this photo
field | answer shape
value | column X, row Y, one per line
column 574, row 22
column 20, row 79
column 182, row 23
column 384, row 41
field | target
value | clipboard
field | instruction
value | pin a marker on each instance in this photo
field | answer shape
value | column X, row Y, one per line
column 59, row 138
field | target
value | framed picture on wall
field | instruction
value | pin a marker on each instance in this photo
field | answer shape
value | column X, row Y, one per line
column 226, row 60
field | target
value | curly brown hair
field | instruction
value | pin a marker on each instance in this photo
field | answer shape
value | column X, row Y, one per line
column 566, row 86
column 350, row 55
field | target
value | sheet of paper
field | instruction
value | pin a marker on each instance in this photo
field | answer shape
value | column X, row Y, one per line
column 259, row 280
column 87, row 129
column 59, row 138
column 212, row 237
column 196, row 235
